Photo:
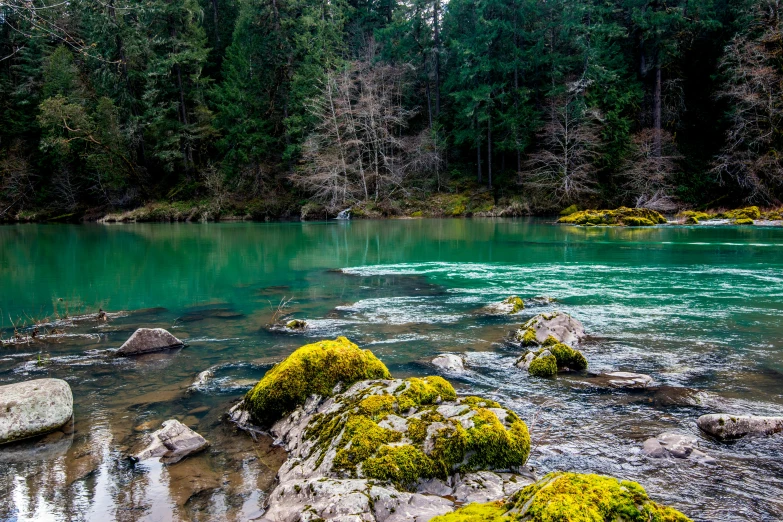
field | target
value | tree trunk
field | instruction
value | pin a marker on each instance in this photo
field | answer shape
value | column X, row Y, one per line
column 657, row 109
column 489, row 150
column 478, row 150
column 436, row 51
column 215, row 18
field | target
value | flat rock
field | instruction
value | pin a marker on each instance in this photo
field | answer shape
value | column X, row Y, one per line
column 33, row 408
column 146, row 340
column 676, row 445
column 172, row 442
column 725, row 426
column 449, row 362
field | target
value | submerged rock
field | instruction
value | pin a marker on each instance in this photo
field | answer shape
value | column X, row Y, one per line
column 676, row 445
column 449, row 362
column 313, row 369
column 634, row 217
column 146, row 340
column 33, row 408
column 559, row 325
column 725, row 426
column 172, row 442
column 540, row 301
column 623, row 380
column 571, row 497
column 296, row 324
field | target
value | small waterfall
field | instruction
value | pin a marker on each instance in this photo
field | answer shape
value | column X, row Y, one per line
column 344, row 214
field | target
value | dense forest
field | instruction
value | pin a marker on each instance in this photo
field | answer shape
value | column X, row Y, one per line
column 541, row 104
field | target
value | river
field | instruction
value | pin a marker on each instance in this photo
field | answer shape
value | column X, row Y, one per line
column 700, row 309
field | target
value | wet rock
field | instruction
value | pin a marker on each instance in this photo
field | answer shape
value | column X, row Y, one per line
column 449, row 362
column 725, row 426
column 558, row 325
column 33, row 408
column 202, row 379
column 552, row 358
column 199, row 410
column 146, row 340
column 508, row 306
column 539, row 301
column 677, row 396
column 172, row 442
column 296, row 324
column 676, row 445
column 623, row 380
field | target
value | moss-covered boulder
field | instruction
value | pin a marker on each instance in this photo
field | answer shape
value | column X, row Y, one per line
column 742, row 213
column 508, row 306
column 558, row 325
column 571, row 497
column 296, row 324
column 313, row 369
column 551, row 358
column 569, row 210
column 624, row 216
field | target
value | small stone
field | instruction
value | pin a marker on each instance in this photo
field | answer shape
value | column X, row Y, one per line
column 146, row 340
column 172, row 442
column 676, row 445
column 449, row 362
column 626, row 380
column 725, row 426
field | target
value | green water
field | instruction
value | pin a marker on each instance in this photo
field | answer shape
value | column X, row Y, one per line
column 699, row 308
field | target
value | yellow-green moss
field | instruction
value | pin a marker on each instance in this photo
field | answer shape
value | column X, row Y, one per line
column 569, row 210
column 545, row 366
column 567, row 357
column 516, row 302
column 489, row 512
column 365, row 448
column 621, row 216
column 312, row 369
column 418, row 213
column 574, row 497
column 296, row 324
column 743, row 221
column 528, row 337
column 742, row 213
column 551, row 340
column 571, row 497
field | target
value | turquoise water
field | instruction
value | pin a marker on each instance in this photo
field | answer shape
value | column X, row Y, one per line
column 698, row 308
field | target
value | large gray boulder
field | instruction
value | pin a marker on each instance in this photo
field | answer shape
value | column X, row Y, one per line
column 33, row 408
column 449, row 362
column 559, row 325
column 725, row 426
column 146, row 340
column 172, row 442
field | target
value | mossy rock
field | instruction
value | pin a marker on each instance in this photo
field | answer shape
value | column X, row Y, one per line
column 516, row 303
column 569, row 210
column 571, row 497
column 743, row 221
column 312, row 369
column 405, row 430
column 554, row 357
column 621, row 216
column 296, row 324
column 543, row 366
column 527, row 337
column 742, row 213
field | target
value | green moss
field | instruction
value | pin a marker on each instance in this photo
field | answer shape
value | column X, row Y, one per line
column 545, row 366
column 528, row 337
column 418, row 213
column 567, row 357
column 743, row 221
column 479, row 401
column 377, row 406
column 400, row 465
column 312, row 369
column 296, row 324
column 574, row 497
column 621, row 216
column 425, row 391
column 516, row 302
column 490, row 512
column 366, row 438
column 569, row 210
column 551, row 340
column 742, row 213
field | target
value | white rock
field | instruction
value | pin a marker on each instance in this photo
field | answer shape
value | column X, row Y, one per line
column 559, row 325
column 33, row 408
column 626, row 380
column 676, row 445
column 172, row 442
column 449, row 362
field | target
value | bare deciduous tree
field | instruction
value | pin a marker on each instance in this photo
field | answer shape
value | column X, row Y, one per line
column 16, row 180
column 357, row 150
column 562, row 168
column 647, row 175
column 753, row 65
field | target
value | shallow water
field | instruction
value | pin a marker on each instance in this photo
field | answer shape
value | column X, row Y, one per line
column 699, row 308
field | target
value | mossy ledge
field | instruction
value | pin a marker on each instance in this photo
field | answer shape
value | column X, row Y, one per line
column 313, row 369
column 401, row 431
column 623, row 216
column 571, row 497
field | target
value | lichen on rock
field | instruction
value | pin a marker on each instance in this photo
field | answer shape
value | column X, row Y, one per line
column 624, row 216
column 313, row 369
column 560, row 326
column 571, row 497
